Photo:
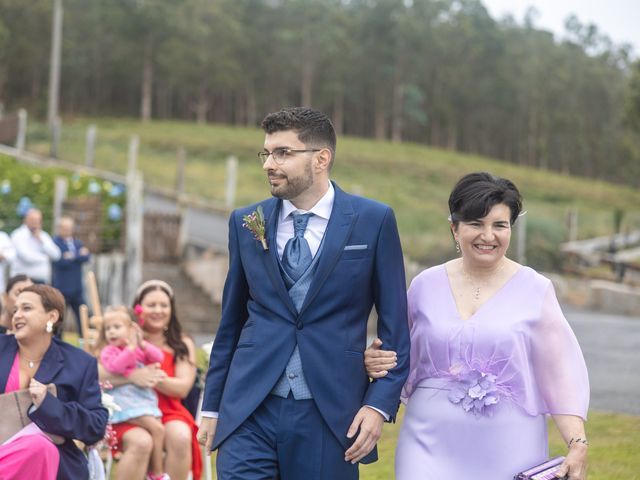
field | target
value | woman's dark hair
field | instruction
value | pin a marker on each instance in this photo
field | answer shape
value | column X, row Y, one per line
column 173, row 333
column 477, row 193
column 51, row 299
column 16, row 279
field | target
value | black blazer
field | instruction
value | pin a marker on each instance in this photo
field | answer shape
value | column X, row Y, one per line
column 77, row 412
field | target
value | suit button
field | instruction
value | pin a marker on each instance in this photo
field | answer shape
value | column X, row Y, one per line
column 299, row 325
column 292, row 376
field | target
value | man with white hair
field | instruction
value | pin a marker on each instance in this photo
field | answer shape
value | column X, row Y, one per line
column 35, row 249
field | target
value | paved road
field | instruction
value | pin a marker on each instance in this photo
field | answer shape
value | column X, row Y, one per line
column 611, row 346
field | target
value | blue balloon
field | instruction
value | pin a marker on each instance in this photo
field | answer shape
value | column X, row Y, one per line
column 24, row 205
column 5, row 187
column 114, row 212
column 94, row 187
column 117, row 189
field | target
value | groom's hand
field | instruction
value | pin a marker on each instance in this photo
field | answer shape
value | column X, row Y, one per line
column 206, row 433
column 369, row 422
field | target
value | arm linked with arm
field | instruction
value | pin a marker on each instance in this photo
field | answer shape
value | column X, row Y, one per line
column 391, row 305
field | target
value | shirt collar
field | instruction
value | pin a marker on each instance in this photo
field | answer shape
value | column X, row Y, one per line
column 322, row 209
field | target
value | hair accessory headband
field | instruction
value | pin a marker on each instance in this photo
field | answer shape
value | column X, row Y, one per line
column 154, row 283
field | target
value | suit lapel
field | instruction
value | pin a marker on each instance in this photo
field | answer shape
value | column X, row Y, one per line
column 336, row 235
column 51, row 365
column 7, row 356
column 270, row 257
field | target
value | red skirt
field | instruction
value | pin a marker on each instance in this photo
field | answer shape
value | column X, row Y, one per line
column 172, row 409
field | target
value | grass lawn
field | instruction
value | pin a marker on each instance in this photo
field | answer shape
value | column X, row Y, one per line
column 613, row 452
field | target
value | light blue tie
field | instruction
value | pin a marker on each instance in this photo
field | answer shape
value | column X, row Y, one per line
column 297, row 257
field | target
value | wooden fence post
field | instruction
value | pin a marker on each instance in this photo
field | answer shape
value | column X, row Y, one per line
column 182, row 161
column 521, row 240
column 572, row 223
column 135, row 222
column 60, row 195
column 22, row 130
column 232, row 178
column 56, row 132
column 90, row 149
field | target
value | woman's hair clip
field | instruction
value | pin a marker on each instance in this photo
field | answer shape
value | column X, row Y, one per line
column 522, row 214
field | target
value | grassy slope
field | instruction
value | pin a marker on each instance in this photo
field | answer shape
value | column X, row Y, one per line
column 413, row 179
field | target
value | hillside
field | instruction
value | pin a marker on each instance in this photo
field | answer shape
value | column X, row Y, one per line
column 415, row 180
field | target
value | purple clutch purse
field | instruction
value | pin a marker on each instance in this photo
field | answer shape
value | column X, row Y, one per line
column 544, row 471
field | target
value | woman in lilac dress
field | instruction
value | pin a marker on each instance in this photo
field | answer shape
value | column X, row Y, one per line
column 491, row 355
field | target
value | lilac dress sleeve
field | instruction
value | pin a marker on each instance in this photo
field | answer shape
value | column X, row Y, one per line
column 558, row 364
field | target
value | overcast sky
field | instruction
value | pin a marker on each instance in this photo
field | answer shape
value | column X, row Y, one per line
column 618, row 19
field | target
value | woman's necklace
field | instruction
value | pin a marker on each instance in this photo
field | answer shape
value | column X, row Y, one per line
column 475, row 287
column 32, row 363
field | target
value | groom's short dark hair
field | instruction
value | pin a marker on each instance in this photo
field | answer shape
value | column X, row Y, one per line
column 313, row 127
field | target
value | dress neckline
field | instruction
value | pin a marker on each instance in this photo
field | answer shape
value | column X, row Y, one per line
column 498, row 292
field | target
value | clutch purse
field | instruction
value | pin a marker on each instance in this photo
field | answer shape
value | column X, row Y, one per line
column 543, row 471
column 14, row 407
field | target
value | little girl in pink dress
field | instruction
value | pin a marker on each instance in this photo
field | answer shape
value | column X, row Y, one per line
column 124, row 352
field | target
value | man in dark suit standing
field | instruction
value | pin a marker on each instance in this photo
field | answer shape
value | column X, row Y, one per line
column 67, row 271
column 286, row 394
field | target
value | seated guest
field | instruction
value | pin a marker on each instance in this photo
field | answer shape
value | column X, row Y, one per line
column 35, row 249
column 172, row 379
column 31, row 359
column 9, row 295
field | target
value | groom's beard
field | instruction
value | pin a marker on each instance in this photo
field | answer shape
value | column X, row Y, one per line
column 292, row 187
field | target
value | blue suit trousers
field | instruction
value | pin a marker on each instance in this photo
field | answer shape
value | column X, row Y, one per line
column 284, row 439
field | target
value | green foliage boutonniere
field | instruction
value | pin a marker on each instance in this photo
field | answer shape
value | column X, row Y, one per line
column 254, row 222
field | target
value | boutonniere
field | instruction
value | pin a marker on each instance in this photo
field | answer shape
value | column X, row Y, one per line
column 254, row 222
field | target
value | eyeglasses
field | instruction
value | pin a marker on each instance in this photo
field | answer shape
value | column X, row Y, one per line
column 281, row 154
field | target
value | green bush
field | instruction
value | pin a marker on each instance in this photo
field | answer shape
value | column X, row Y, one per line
column 18, row 180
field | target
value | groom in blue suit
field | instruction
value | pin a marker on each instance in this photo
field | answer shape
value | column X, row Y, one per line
column 287, row 396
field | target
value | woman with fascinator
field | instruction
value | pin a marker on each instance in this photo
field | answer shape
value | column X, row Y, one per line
column 491, row 355
column 33, row 358
column 172, row 380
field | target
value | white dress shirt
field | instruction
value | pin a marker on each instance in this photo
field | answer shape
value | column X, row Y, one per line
column 33, row 255
column 314, row 233
column 315, row 227
column 7, row 255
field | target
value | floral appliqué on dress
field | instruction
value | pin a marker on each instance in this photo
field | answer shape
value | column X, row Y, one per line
column 476, row 389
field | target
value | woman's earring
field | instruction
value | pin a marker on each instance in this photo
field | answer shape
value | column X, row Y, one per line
column 457, row 246
column 49, row 326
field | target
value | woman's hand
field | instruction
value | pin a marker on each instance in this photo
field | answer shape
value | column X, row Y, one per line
column 38, row 391
column 575, row 464
column 379, row 362
column 148, row 376
column 134, row 339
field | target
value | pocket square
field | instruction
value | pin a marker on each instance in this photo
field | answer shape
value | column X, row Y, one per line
column 356, row 247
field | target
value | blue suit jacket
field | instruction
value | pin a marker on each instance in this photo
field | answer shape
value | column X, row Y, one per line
column 67, row 272
column 77, row 411
column 361, row 265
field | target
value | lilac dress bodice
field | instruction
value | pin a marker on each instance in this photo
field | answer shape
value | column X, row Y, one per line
column 479, row 388
column 517, row 347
